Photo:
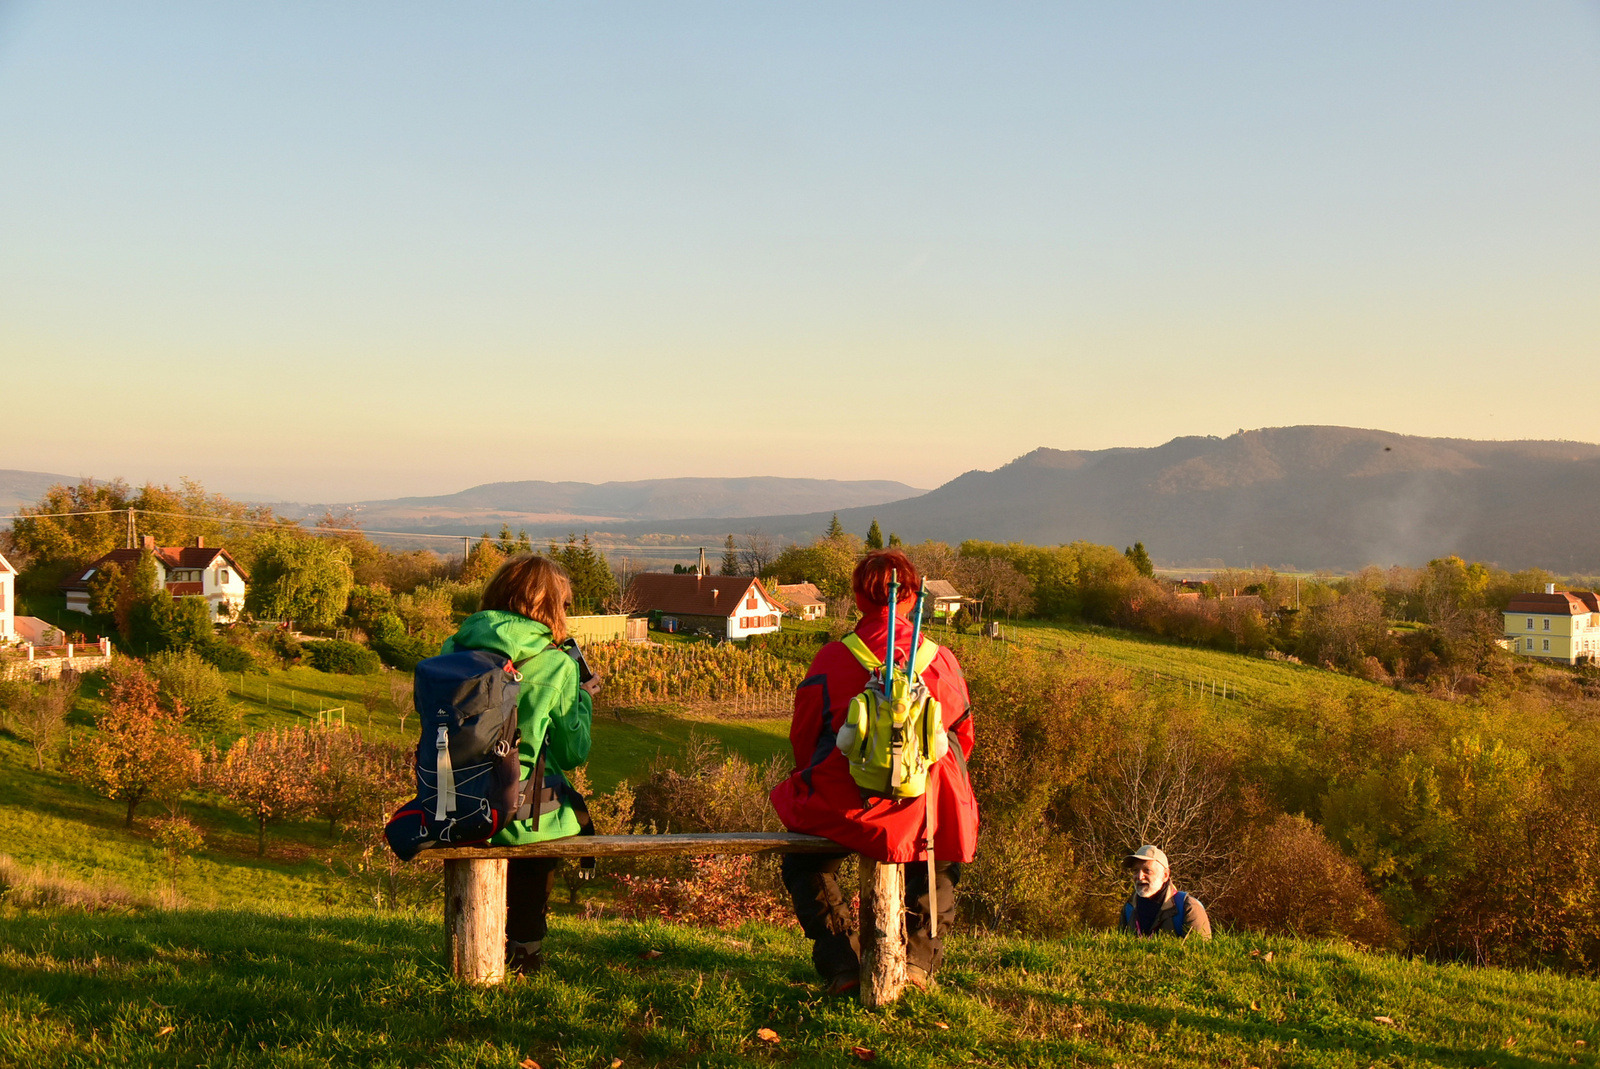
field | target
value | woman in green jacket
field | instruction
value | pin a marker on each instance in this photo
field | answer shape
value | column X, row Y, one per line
column 523, row 614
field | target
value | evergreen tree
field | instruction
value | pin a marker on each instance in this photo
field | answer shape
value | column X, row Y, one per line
column 874, row 534
column 506, row 545
column 835, row 528
column 894, row 539
column 593, row 585
column 730, row 557
column 1140, row 560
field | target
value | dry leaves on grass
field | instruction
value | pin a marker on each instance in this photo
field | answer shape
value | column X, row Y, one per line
column 527, row 1063
column 866, row 1054
column 649, row 955
column 767, row 1035
column 1385, row 1020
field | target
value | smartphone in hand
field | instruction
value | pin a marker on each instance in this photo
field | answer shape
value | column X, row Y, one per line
column 571, row 649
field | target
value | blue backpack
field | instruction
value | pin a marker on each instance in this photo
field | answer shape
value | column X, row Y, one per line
column 468, row 769
column 1179, row 899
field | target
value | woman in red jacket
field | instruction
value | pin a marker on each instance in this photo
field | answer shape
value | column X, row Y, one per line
column 821, row 798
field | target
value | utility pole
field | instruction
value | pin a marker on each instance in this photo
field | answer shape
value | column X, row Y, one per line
column 466, row 550
column 132, row 541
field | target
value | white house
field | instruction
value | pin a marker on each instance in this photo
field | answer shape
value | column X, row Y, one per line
column 734, row 605
column 804, row 600
column 195, row 571
column 8, row 601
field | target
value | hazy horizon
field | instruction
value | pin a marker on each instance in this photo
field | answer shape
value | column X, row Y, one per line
column 344, row 253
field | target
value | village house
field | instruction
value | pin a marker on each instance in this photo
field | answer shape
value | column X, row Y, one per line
column 1554, row 626
column 730, row 605
column 805, row 601
column 944, row 600
column 196, row 571
column 8, row 599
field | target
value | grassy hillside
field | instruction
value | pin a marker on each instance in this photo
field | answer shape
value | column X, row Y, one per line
column 259, row 989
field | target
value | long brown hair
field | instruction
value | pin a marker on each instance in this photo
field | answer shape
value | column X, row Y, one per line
column 535, row 587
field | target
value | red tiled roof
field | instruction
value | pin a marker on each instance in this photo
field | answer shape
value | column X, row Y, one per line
column 170, row 557
column 1589, row 598
column 798, row 594
column 1558, row 604
column 942, row 588
column 694, row 595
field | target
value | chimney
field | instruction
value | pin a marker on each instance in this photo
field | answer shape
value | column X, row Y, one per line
column 149, row 542
column 1549, row 588
column 700, row 569
column 199, row 541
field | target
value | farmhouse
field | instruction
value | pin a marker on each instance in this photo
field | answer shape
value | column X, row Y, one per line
column 196, row 571
column 805, row 601
column 730, row 605
column 1555, row 626
column 944, row 600
column 8, row 594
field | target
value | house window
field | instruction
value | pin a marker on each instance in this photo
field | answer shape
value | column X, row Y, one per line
column 750, row 602
column 1546, row 645
column 1547, row 623
column 1530, row 623
column 222, row 576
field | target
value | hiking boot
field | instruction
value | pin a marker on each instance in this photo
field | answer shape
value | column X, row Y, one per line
column 844, row 983
column 919, row 978
column 523, row 961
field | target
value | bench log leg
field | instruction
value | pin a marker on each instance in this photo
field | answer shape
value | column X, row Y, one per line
column 883, row 947
column 475, row 919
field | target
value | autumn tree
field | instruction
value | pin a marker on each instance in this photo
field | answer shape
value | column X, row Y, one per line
column 483, row 560
column 350, row 778
column 43, row 715
column 267, row 776
column 139, row 752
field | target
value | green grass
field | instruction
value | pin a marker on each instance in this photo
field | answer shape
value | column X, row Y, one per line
column 262, row 989
column 1256, row 680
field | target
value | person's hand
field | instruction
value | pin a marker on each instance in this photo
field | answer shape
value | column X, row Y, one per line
column 593, row 685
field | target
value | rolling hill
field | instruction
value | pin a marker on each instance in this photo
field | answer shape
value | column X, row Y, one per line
column 1306, row 497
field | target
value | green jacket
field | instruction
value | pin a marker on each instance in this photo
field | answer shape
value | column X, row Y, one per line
column 552, row 706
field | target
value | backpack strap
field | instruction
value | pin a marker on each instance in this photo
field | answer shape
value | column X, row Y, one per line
column 872, row 662
column 1127, row 918
column 1181, row 900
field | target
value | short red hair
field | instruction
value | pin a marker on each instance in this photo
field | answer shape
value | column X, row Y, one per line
column 870, row 580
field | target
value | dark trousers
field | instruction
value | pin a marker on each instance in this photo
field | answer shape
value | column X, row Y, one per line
column 825, row 915
column 529, row 881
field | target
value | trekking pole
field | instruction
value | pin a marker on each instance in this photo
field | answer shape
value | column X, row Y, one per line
column 928, row 791
column 888, row 650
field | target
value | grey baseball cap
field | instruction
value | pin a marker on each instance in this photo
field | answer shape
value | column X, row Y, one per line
column 1147, row 853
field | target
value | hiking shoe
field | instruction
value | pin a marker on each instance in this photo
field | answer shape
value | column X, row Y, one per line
column 524, row 962
column 844, row 983
column 919, row 978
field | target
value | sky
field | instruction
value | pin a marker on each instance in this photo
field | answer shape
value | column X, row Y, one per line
column 349, row 251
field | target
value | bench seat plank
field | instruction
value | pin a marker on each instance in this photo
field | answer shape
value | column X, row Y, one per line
column 737, row 842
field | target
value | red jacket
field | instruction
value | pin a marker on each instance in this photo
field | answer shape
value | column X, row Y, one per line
column 820, row 798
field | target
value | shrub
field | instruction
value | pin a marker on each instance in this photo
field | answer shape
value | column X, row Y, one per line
column 193, row 689
column 343, row 658
column 722, row 892
column 404, row 651
column 227, row 657
column 1295, row 882
column 285, row 647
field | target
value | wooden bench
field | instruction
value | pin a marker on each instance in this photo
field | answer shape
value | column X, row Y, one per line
column 475, row 897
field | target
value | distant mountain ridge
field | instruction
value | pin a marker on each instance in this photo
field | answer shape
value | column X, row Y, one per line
column 1310, row 497
column 20, row 488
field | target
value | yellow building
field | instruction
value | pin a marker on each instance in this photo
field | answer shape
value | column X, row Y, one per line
column 1555, row 626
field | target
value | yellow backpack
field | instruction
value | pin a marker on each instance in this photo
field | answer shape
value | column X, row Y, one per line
column 892, row 739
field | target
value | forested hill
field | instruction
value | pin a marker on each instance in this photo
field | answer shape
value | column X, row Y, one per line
column 1309, row 497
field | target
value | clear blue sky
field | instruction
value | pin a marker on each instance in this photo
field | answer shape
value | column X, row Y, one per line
column 356, row 250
